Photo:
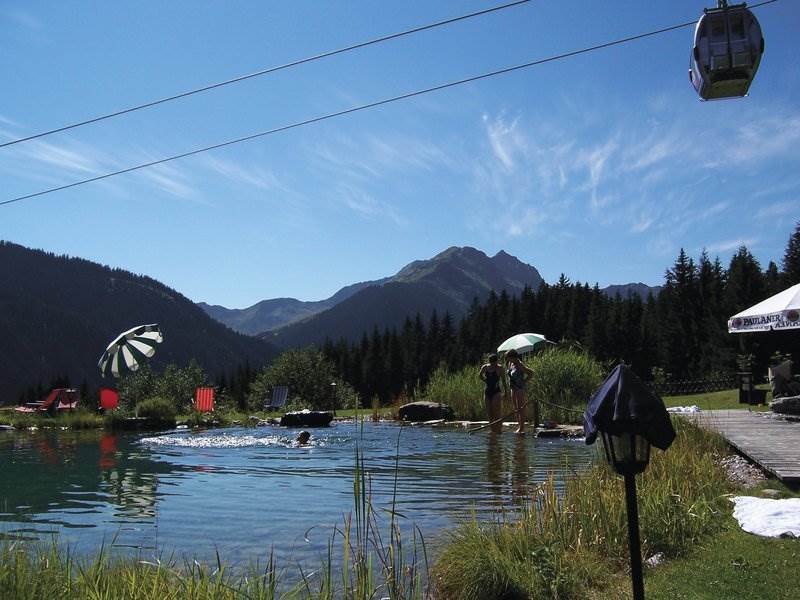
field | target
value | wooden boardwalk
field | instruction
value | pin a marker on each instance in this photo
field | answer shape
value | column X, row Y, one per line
column 772, row 443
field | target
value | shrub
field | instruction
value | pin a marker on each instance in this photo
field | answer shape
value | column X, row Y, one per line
column 157, row 409
column 461, row 390
column 308, row 375
column 563, row 378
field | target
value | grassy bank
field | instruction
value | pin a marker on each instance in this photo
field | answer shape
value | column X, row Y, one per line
column 82, row 419
column 563, row 547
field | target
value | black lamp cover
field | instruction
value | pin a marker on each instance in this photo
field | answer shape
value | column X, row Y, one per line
column 624, row 405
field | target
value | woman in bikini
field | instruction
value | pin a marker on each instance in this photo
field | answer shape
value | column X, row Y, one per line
column 493, row 377
column 518, row 374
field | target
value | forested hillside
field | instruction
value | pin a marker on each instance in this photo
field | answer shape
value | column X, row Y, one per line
column 57, row 314
column 681, row 333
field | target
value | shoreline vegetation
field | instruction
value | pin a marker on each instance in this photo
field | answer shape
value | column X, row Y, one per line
column 564, row 545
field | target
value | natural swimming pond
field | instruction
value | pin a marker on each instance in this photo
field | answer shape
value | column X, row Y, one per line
column 243, row 491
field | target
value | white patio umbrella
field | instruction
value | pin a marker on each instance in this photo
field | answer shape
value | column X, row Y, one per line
column 522, row 342
column 781, row 311
column 129, row 349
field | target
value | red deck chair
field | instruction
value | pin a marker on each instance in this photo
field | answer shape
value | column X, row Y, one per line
column 44, row 405
column 109, row 398
column 68, row 400
column 204, row 399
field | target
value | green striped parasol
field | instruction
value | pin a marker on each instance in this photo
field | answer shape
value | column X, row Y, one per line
column 129, row 349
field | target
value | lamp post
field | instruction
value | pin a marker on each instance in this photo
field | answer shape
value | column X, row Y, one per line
column 629, row 417
column 333, row 396
column 629, row 454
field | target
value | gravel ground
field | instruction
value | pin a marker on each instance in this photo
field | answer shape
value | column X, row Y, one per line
column 742, row 472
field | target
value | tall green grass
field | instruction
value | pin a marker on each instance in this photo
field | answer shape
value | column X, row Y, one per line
column 73, row 419
column 562, row 545
column 561, row 384
column 461, row 390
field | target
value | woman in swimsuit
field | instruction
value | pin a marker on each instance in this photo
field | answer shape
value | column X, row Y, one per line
column 493, row 377
column 518, row 374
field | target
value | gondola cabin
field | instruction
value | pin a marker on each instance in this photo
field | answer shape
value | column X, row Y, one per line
column 727, row 50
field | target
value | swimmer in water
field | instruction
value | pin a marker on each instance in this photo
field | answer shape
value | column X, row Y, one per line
column 302, row 438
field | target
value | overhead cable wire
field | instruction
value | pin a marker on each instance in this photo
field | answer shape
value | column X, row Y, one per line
column 266, row 71
column 362, row 107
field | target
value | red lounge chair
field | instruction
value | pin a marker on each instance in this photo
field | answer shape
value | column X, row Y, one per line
column 109, row 399
column 58, row 399
column 204, row 399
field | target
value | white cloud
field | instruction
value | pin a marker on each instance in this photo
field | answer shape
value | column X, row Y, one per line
column 255, row 176
column 728, row 245
column 169, row 179
column 11, row 123
column 790, row 208
column 505, row 140
column 78, row 160
column 367, row 205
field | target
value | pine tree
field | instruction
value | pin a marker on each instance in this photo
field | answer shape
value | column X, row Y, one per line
column 791, row 258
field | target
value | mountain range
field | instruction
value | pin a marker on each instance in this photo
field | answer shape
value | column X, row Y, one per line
column 447, row 283
column 58, row 314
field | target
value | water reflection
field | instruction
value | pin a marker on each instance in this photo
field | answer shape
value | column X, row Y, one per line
column 242, row 491
column 519, row 470
column 56, row 480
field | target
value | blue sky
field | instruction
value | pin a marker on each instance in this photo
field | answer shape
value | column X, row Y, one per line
column 600, row 166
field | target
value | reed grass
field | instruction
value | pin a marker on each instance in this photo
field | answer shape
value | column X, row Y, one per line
column 562, row 382
column 562, row 545
column 461, row 390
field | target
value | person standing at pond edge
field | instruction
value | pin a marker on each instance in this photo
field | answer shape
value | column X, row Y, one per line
column 518, row 375
column 494, row 379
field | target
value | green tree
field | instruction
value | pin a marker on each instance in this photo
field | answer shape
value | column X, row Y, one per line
column 791, row 258
column 178, row 384
column 308, row 375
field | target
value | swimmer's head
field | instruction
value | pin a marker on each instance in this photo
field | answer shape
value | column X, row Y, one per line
column 303, row 437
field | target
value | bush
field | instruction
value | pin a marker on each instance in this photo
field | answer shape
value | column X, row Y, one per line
column 175, row 384
column 563, row 378
column 308, row 375
column 157, row 409
column 461, row 390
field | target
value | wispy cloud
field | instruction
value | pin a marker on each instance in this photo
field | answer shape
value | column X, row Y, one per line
column 648, row 177
column 171, row 180
column 11, row 123
column 255, row 176
column 367, row 206
column 505, row 140
column 728, row 245
column 790, row 208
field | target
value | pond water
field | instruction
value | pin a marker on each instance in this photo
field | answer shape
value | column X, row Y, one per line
column 243, row 491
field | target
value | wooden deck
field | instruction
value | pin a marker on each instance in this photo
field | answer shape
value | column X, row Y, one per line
column 772, row 443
